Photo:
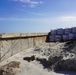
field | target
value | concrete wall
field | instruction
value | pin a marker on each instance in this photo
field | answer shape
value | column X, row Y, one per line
column 11, row 44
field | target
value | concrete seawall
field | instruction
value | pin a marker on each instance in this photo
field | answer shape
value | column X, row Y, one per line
column 11, row 44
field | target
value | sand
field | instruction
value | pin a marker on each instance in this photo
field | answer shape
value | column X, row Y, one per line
column 34, row 67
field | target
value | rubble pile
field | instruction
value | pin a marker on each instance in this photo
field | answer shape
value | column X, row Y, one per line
column 58, row 56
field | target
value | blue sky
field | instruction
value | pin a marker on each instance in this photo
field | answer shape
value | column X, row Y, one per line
column 23, row 16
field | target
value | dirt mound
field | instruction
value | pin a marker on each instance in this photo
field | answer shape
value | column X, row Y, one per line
column 10, row 68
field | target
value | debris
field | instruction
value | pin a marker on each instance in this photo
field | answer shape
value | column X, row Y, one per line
column 10, row 68
column 32, row 58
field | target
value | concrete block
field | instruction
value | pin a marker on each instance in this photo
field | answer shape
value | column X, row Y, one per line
column 35, row 41
column 43, row 39
column 25, row 43
column 30, row 42
column 11, row 44
column 5, row 49
column 16, row 46
column 39, row 40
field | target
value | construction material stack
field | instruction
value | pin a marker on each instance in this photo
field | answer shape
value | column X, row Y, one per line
column 59, row 35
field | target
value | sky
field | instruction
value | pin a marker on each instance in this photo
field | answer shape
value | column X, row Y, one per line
column 31, row 16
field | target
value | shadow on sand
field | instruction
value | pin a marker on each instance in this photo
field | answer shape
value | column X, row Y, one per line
column 67, row 72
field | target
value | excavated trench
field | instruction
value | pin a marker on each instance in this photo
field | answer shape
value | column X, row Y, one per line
column 53, row 56
column 61, row 58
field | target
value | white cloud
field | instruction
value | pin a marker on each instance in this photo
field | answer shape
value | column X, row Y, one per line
column 30, row 2
column 54, row 22
column 68, row 18
column 35, row 13
column 59, row 18
column 48, row 19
